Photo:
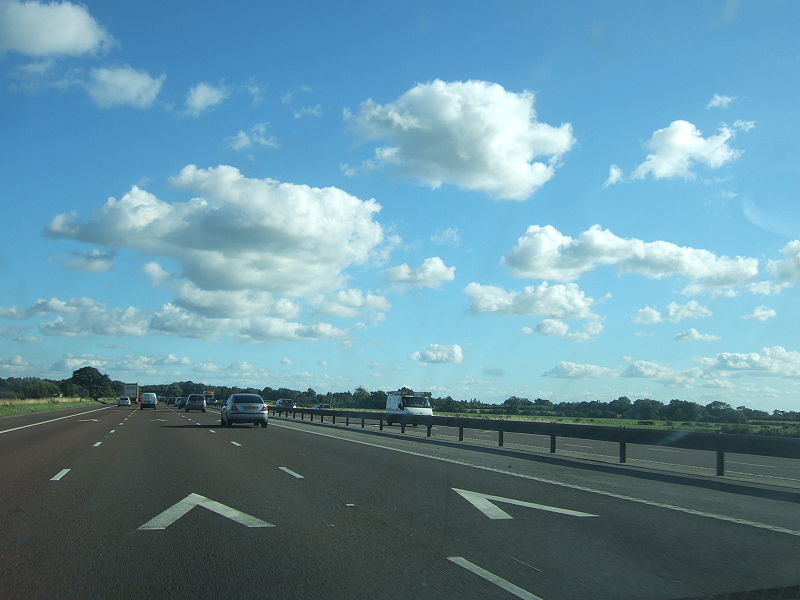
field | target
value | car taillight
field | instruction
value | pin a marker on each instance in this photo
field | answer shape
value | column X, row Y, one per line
column 264, row 408
column 234, row 407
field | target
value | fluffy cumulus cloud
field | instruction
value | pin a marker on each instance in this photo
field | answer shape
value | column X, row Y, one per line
column 786, row 271
column 615, row 175
column 473, row 134
column 431, row 273
column 203, row 97
column 94, row 261
column 760, row 313
column 774, row 361
column 437, row 353
column 720, row 101
column 256, row 136
column 675, row 150
column 647, row 369
column 123, row 86
column 571, row 370
column 14, row 364
column 560, row 301
column 51, row 29
column 647, row 316
column 558, row 328
column 447, row 236
column 353, row 303
column 692, row 335
column 239, row 233
column 674, row 312
column 543, row 252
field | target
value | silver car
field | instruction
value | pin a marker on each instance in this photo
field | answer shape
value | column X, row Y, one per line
column 195, row 402
column 243, row 408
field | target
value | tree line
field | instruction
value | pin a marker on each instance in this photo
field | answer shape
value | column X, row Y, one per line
column 89, row 382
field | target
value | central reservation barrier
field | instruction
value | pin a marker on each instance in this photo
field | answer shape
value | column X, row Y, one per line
column 720, row 443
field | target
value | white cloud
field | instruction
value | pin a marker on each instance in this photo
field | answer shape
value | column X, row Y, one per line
column 14, row 364
column 560, row 301
column 545, row 253
column 615, row 175
column 265, row 329
column 787, row 270
column 571, row 370
column 123, row 86
column 437, row 353
column 353, row 303
column 446, row 236
column 431, row 273
column 744, row 125
column 558, row 328
column 240, row 233
column 306, row 111
column 692, row 335
column 720, row 101
column 645, row 369
column 691, row 310
column 95, row 261
column 72, row 362
column 256, row 136
column 760, row 313
column 674, row 151
column 203, row 97
column 474, row 134
column 221, row 304
column 90, row 317
column 647, row 316
column 776, row 361
column 156, row 273
column 50, row 29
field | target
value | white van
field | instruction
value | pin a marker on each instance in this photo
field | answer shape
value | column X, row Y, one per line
column 408, row 403
column 148, row 400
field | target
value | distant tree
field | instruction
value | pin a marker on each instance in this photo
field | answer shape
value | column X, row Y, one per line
column 620, row 406
column 174, row 390
column 94, row 383
column 645, row 409
column 361, row 398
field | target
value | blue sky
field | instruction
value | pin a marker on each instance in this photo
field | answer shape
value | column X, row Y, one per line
column 573, row 201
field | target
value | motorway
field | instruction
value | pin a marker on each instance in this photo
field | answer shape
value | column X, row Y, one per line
column 125, row 503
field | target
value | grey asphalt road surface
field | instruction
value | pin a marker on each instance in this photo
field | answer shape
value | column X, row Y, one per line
column 169, row 504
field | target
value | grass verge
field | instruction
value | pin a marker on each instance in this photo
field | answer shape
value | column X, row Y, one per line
column 27, row 407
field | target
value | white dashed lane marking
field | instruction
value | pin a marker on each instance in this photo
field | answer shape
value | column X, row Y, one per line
column 60, row 474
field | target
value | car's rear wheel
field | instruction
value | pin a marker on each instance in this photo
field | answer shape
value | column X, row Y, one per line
column 263, row 424
column 221, row 422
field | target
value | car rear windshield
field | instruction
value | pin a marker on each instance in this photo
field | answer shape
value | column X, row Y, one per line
column 196, row 398
column 247, row 400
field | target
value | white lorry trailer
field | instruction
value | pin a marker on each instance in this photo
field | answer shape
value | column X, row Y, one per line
column 406, row 402
column 131, row 390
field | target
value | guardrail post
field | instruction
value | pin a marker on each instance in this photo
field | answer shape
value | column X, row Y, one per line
column 552, row 443
column 500, row 438
column 362, row 421
column 622, row 452
column 429, row 430
column 334, row 419
column 460, row 434
column 380, row 423
column 302, row 416
column 403, row 426
column 720, row 463
column 347, row 421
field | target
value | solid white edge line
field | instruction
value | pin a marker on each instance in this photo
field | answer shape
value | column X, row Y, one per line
column 290, row 472
column 492, row 578
column 573, row 486
column 51, row 420
column 60, row 474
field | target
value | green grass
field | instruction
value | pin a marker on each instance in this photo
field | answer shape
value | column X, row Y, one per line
column 25, row 407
